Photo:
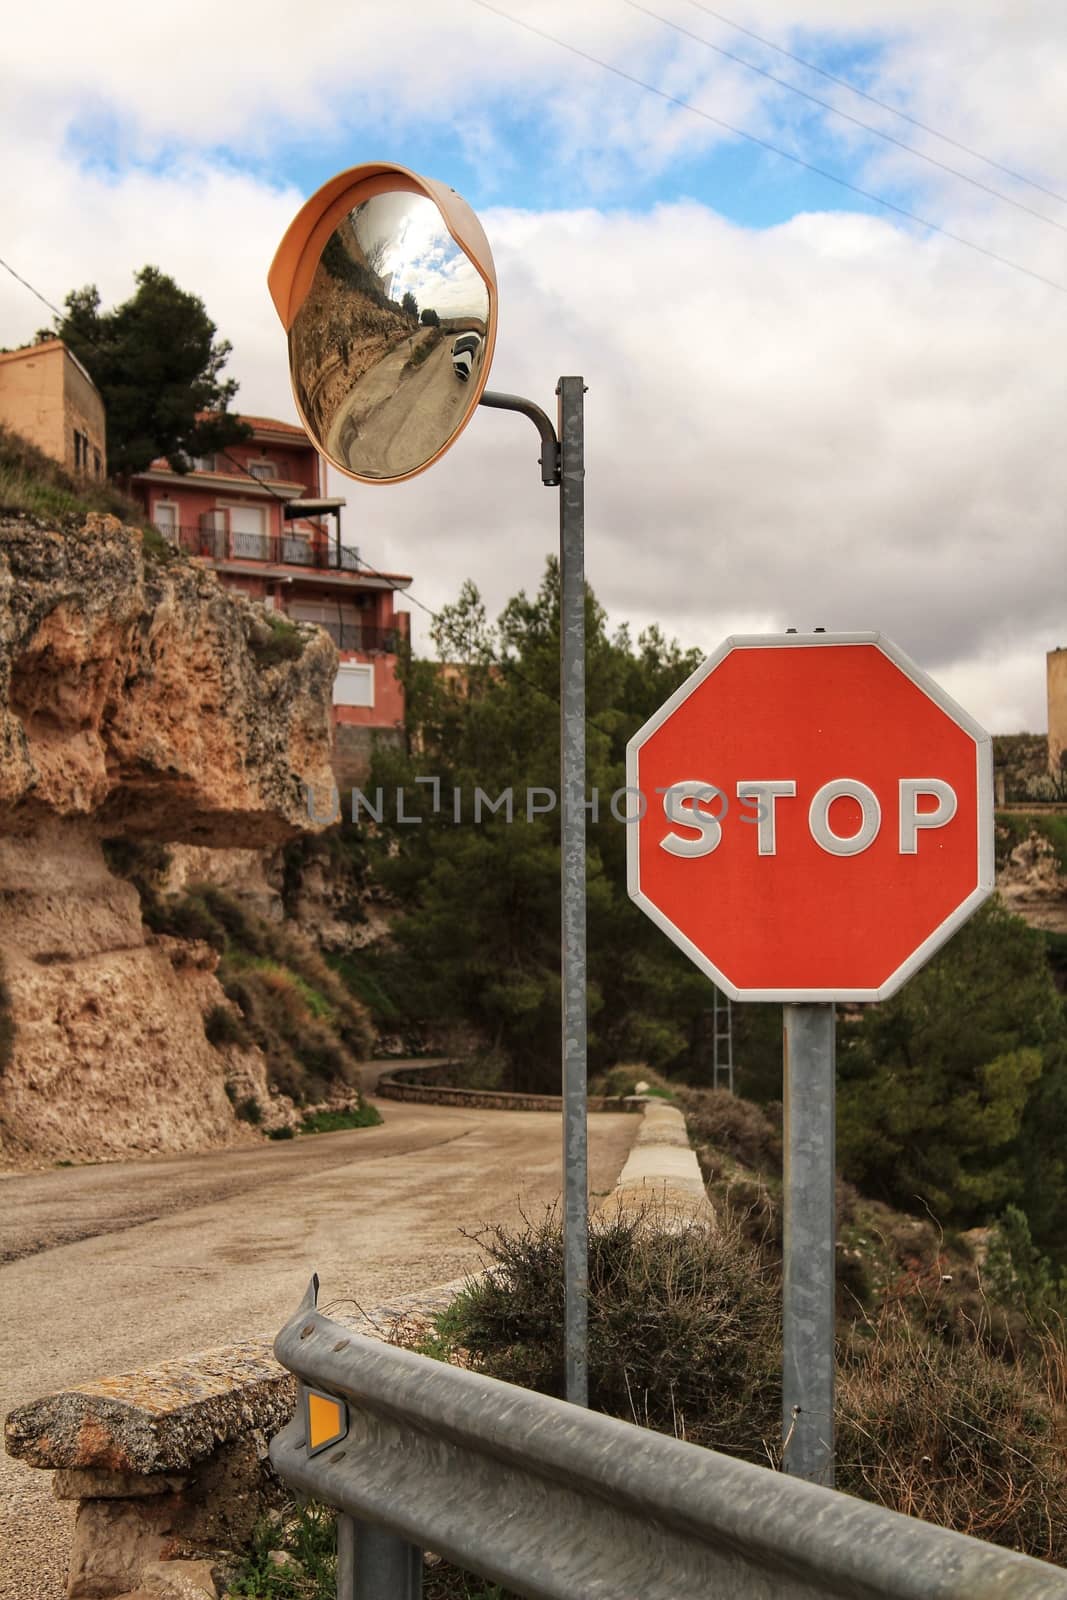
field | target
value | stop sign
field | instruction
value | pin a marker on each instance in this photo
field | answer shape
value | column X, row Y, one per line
column 810, row 817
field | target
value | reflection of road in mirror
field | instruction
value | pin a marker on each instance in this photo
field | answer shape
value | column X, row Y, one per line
column 387, row 348
column 401, row 412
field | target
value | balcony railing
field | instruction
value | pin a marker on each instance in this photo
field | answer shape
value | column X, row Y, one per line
column 285, row 549
column 364, row 638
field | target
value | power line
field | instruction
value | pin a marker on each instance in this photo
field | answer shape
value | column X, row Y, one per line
column 777, row 150
column 27, row 285
column 883, row 105
column 846, row 116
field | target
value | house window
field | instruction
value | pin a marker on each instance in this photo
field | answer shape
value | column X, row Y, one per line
column 354, row 684
column 165, row 517
column 203, row 463
column 263, row 469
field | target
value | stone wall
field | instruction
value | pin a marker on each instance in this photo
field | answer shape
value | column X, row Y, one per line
column 169, row 1466
column 405, row 1085
column 353, row 752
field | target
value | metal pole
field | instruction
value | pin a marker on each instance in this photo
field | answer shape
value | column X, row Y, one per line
column 375, row 1565
column 346, row 1557
column 809, row 1233
column 571, row 393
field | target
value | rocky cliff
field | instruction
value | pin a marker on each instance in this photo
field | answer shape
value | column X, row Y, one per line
column 138, row 699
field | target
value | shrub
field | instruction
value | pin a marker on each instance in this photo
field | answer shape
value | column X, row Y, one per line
column 310, row 1027
column 283, row 641
column 32, row 482
column 223, row 1026
column 953, row 1435
column 364, row 1116
column 623, row 1079
column 734, row 1127
column 684, row 1330
column 250, row 1110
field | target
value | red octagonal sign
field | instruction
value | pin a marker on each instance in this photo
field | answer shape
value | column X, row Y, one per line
column 811, row 817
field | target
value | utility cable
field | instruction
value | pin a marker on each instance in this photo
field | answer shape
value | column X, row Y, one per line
column 883, row 105
column 857, row 122
column 777, row 150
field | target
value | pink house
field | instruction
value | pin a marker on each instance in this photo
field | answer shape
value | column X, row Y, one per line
column 236, row 512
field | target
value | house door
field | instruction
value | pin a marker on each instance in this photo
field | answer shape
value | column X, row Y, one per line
column 248, row 533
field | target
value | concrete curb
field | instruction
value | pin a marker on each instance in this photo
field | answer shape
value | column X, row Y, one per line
column 662, row 1175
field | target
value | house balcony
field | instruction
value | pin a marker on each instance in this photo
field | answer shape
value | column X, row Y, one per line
column 362, row 638
column 274, row 549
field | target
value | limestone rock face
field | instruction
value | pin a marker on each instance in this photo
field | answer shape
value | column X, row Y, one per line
column 135, row 693
column 136, row 700
column 1032, row 885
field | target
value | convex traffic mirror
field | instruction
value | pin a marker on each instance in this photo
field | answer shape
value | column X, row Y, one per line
column 385, row 285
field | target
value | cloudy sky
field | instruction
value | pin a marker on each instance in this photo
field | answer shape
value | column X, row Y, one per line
column 805, row 408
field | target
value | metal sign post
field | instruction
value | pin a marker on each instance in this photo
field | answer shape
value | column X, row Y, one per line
column 563, row 466
column 808, row 1245
column 572, row 854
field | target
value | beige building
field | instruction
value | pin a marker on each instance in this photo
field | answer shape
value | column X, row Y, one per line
column 47, row 396
column 1057, row 709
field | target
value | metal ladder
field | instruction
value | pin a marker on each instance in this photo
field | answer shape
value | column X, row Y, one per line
column 722, row 1042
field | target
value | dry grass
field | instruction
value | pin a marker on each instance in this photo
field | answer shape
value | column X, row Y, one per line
column 33, row 484
column 684, row 1330
column 954, row 1435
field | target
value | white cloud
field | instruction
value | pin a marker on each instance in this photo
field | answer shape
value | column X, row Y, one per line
column 837, row 421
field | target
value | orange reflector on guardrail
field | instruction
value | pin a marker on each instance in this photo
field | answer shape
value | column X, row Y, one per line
column 326, row 1418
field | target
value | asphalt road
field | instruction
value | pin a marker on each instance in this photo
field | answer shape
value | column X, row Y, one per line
column 115, row 1267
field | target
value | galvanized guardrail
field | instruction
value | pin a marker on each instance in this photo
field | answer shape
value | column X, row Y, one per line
column 560, row 1503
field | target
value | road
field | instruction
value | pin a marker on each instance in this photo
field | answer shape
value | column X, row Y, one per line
column 115, row 1267
column 398, row 417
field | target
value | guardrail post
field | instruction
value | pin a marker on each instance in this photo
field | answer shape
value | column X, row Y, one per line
column 375, row 1565
column 346, row 1557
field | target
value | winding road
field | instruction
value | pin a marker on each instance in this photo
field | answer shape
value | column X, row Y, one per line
column 113, row 1267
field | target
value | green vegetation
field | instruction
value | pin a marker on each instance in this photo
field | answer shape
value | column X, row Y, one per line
column 279, row 640
column 477, row 941
column 952, row 1094
column 305, row 1536
column 311, row 1029
column 158, row 365
column 423, row 349
column 338, row 1121
column 32, row 484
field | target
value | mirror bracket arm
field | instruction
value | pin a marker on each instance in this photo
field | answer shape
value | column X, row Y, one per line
column 550, row 451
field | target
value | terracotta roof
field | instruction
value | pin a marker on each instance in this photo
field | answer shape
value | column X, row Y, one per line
column 271, row 423
column 274, row 425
